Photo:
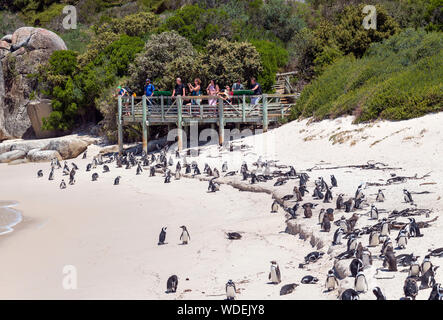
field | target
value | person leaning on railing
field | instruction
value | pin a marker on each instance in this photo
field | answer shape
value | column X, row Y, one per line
column 195, row 92
column 213, row 90
column 149, row 91
column 255, row 86
column 124, row 93
column 180, row 89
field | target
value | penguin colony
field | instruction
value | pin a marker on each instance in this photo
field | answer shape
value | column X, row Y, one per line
column 387, row 235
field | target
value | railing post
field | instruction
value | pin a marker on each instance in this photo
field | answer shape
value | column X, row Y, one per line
column 132, row 108
column 162, row 107
column 145, row 126
column 221, row 125
column 265, row 112
column 243, row 109
column 179, row 123
column 120, row 126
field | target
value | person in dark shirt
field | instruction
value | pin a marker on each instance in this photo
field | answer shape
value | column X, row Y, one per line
column 149, row 90
column 180, row 89
column 255, row 86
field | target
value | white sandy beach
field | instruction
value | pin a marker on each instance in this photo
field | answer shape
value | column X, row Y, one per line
column 110, row 233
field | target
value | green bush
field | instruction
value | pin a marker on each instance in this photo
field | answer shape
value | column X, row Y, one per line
column 397, row 79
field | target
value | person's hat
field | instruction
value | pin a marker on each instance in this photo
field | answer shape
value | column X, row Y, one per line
column 148, row 80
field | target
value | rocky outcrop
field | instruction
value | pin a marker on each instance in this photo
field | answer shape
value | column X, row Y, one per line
column 20, row 55
column 37, row 110
column 68, row 147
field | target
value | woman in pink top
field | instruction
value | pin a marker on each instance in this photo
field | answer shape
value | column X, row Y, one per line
column 212, row 90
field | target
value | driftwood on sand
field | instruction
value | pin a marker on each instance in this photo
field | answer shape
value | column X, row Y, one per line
column 368, row 166
column 399, row 179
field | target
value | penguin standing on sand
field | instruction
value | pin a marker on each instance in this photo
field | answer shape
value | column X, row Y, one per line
column 51, row 174
column 326, row 224
column 355, row 266
column 303, row 190
column 338, row 234
column 297, row 193
column 328, row 195
column 225, row 167
column 378, row 294
column 185, row 238
column 331, row 281
column 374, row 212
column 213, row 186
column 380, row 196
column 274, row 275
column 426, row 264
column 152, row 171
column 385, row 228
column 40, row 173
column 94, row 176
column 274, row 207
column 366, row 258
column 117, row 181
column 410, row 288
column 407, row 196
column 360, row 283
column 414, row 230
column 63, row 185
column 167, row 176
column 321, row 215
column 402, row 239
column 171, row 284
column 339, row 202
column 162, row 236
column 333, row 181
column 230, row 290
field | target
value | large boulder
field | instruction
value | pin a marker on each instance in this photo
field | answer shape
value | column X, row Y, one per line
column 12, row 155
column 68, row 148
column 37, row 155
column 29, row 48
column 37, row 110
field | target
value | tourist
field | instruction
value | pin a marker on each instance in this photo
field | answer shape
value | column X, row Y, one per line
column 149, row 90
column 255, row 86
column 180, row 89
column 213, row 90
column 195, row 91
column 121, row 91
column 237, row 86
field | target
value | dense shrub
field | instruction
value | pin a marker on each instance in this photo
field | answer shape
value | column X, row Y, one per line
column 397, row 79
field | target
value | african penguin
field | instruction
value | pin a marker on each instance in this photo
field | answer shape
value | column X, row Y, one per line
column 162, row 236
column 184, row 237
column 171, row 284
column 331, row 281
column 230, row 290
column 274, row 275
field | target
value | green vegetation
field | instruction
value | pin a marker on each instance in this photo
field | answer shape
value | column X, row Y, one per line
column 397, row 79
column 392, row 72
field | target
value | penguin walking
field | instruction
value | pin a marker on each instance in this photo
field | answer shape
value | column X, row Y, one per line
column 185, row 238
column 230, row 290
column 40, row 174
column 94, row 176
column 274, row 275
column 171, row 284
column 274, row 207
column 117, row 181
column 331, row 281
column 63, row 184
column 162, row 236
column 380, row 196
column 360, row 283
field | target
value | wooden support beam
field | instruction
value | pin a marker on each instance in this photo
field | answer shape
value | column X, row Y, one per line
column 120, row 126
column 145, row 126
column 179, row 123
column 243, row 109
column 265, row 113
column 221, row 124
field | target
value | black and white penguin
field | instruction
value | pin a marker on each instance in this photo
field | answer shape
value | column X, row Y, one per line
column 349, row 205
column 328, row 196
column 386, row 244
column 352, row 242
column 339, row 202
column 390, row 260
column 303, row 190
column 338, row 234
column 139, row 169
column 426, row 264
column 274, row 207
column 88, row 167
column 355, row 266
column 402, row 239
column 170, row 161
column 374, row 239
column 333, row 181
column 225, row 167
column 51, row 174
column 385, row 228
column 63, row 185
column 349, row 294
column 414, row 268
column 213, row 186
column 106, row 169
column 274, row 275
column 410, row 288
column 233, row 235
column 309, row 280
column 167, row 176
column 162, row 236
column 407, row 196
column 74, row 166
column 171, row 284
column 185, row 237
column 378, row 293
column 366, row 258
column 288, row 288
column 380, row 196
column 360, row 283
column 84, row 155
column 428, row 278
column 117, row 181
column 94, row 176
column 313, row 256
column 414, row 230
column 326, row 224
column 331, row 281
column 321, row 215
column 39, row 173
column 374, row 212
column 230, row 290
column 152, row 171
column 437, row 292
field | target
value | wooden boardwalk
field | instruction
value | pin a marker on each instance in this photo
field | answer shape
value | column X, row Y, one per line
column 182, row 111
